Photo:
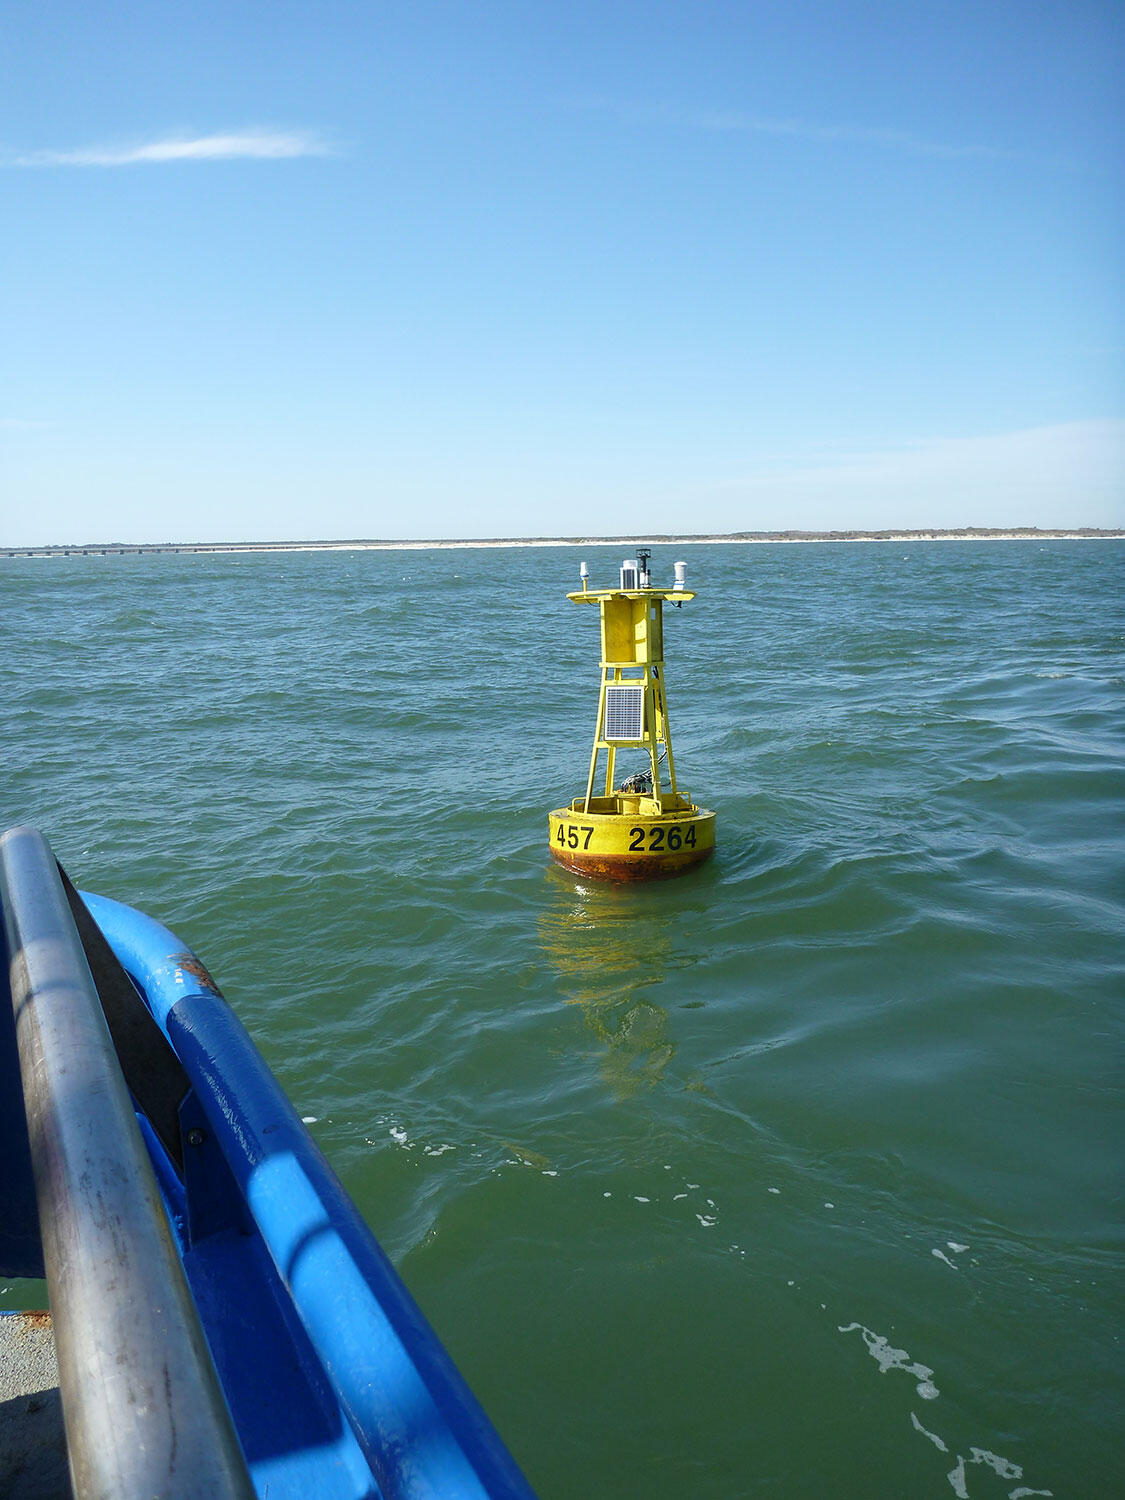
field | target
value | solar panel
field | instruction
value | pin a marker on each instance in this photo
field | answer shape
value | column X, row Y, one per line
column 624, row 712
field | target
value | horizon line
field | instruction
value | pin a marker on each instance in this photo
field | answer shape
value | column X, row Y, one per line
column 864, row 534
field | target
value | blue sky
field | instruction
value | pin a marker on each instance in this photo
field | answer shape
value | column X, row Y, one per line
column 277, row 271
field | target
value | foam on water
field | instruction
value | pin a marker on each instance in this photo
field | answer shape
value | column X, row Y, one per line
column 889, row 1358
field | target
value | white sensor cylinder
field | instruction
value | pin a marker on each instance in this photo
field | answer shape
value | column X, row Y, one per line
column 681, row 571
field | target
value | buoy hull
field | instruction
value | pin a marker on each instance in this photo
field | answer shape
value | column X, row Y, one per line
column 630, row 844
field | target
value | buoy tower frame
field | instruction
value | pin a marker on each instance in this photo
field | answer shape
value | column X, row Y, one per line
column 645, row 828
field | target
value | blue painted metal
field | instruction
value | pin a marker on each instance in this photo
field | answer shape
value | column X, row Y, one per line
column 337, row 1384
column 21, row 1250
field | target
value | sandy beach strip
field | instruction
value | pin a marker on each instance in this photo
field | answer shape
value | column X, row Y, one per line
column 749, row 539
column 757, row 538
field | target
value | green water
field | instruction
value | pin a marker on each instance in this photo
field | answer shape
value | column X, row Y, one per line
column 798, row 1176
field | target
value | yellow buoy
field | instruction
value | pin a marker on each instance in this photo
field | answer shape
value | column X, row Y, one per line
column 643, row 829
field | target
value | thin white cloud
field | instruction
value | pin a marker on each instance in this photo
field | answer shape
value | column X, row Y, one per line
column 796, row 128
column 1070, row 473
column 806, row 130
column 239, row 145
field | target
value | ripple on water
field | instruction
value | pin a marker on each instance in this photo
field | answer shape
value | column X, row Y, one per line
column 652, row 1148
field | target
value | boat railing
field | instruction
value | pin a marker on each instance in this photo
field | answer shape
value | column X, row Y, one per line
column 416, row 1420
column 142, row 1404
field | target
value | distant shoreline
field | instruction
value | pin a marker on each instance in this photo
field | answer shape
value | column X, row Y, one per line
column 768, row 538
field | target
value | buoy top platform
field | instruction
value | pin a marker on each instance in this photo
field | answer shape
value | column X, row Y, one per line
column 644, row 827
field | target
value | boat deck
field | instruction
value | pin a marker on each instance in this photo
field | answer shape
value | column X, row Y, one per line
column 33, row 1462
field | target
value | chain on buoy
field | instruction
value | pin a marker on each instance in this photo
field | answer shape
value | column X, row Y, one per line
column 644, row 828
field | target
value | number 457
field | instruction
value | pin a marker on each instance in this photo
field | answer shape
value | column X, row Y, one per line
column 569, row 836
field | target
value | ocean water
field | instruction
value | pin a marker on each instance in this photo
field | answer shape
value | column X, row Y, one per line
column 798, row 1176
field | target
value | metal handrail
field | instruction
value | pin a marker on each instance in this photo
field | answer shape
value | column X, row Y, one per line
column 142, row 1404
